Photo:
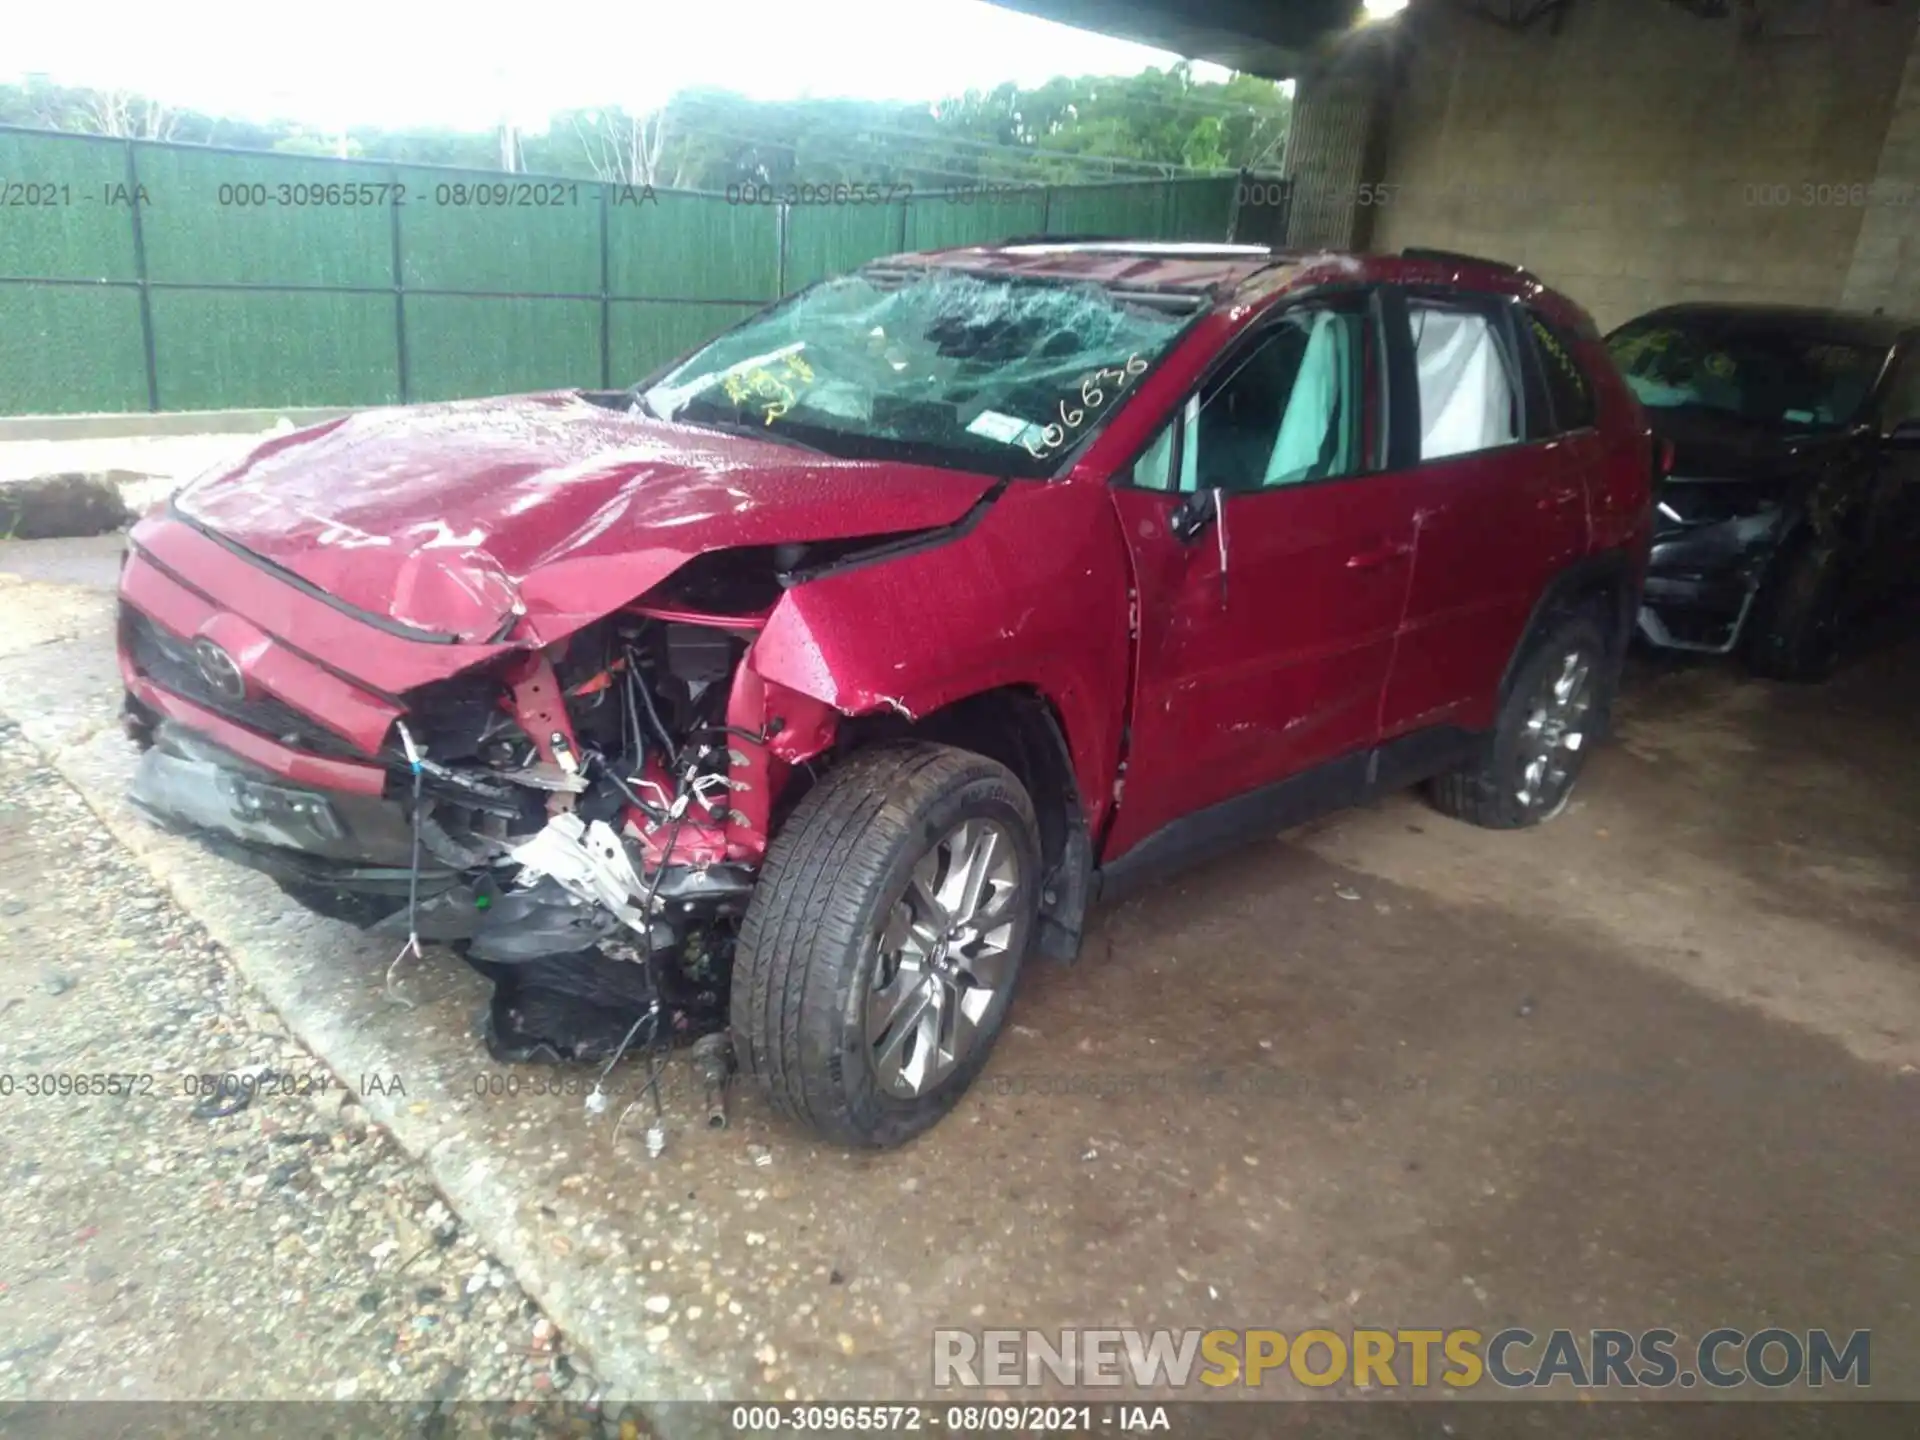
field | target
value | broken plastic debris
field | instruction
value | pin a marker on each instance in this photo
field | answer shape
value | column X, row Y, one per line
column 588, row 859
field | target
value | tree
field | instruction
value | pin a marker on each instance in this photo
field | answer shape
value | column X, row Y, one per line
column 1069, row 130
column 121, row 112
column 621, row 148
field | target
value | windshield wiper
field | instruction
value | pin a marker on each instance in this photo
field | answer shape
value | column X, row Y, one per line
column 748, row 432
column 644, row 405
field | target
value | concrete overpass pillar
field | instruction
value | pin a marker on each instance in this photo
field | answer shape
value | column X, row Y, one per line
column 1885, row 271
column 1645, row 154
column 1336, row 117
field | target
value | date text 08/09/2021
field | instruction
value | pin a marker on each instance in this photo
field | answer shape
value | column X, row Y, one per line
column 191, row 1085
column 259, row 195
column 844, row 1419
column 240, row 196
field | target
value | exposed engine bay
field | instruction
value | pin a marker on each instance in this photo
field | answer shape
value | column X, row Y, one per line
column 566, row 820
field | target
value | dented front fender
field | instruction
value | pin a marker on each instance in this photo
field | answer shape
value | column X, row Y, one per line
column 1033, row 594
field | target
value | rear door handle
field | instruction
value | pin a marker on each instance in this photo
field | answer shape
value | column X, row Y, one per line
column 1384, row 555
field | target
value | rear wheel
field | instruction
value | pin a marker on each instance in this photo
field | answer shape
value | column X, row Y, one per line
column 882, row 944
column 1525, row 770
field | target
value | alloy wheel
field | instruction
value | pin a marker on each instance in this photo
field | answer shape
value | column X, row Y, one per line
column 1555, row 733
column 942, row 957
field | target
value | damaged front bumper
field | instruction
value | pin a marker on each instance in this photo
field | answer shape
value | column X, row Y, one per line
column 358, row 850
column 187, row 783
column 1703, row 579
column 347, row 855
column 612, row 791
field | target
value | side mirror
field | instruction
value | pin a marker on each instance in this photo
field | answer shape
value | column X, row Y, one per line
column 1904, row 436
column 1192, row 516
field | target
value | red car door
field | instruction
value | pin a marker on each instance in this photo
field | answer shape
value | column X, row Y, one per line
column 1270, row 559
column 1500, row 498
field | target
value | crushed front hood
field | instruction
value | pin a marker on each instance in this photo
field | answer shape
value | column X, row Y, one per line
column 451, row 518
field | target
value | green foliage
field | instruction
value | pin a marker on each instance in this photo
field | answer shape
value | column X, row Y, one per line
column 1069, row 130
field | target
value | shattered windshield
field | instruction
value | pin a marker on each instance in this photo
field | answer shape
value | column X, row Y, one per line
column 937, row 367
column 1775, row 378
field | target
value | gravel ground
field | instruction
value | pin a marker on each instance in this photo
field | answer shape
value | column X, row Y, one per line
column 158, row 1248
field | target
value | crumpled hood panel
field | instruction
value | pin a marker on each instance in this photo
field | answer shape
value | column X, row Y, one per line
column 443, row 517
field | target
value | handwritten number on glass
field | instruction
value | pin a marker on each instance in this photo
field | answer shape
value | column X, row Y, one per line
column 771, row 393
column 1094, row 394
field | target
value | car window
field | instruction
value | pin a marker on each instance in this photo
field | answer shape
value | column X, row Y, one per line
column 1903, row 396
column 1467, row 379
column 1154, row 469
column 1569, row 391
column 1469, row 385
column 1287, row 412
column 1747, row 372
column 939, row 367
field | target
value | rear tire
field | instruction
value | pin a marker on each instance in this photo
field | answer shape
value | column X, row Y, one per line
column 1795, row 628
column 865, row 997
column 1524, row 772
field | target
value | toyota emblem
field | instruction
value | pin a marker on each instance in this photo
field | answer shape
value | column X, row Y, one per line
column 220, row 670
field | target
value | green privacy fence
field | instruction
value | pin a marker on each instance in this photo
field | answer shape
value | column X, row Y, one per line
column 137, row 275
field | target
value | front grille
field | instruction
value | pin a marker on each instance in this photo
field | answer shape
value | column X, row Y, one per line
column 168, row 661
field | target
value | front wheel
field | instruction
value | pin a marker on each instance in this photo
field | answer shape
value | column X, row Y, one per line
column 1795, row 632
column 880, row 950
column 1525, row 770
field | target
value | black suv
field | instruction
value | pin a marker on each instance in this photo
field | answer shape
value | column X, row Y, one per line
column 1792, row 502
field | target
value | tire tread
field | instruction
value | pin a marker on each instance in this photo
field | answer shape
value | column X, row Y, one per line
column 800, row 937
column 1472, row 790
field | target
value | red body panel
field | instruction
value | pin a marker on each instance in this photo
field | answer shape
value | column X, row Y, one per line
column 1282, row 667
column 440, row 516
column 296, row 765
column 1034, row 596
column 1492, row 529
column 415, row 544
column 289, row 676
column 166, row 550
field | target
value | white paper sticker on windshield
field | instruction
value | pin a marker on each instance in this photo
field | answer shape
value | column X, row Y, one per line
column 1007, row 429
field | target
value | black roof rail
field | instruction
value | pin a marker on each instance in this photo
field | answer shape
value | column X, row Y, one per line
column 1459, row 257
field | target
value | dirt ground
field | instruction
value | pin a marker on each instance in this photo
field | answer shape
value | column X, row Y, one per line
column 228, row 1185
column 1653, row 1065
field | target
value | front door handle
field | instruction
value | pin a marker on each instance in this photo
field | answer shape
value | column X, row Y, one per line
column 1384, row 555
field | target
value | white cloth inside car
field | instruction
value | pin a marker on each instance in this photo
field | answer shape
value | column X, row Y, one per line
column 1466, row 389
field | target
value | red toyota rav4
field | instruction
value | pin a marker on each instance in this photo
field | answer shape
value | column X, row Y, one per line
column 808, row 687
